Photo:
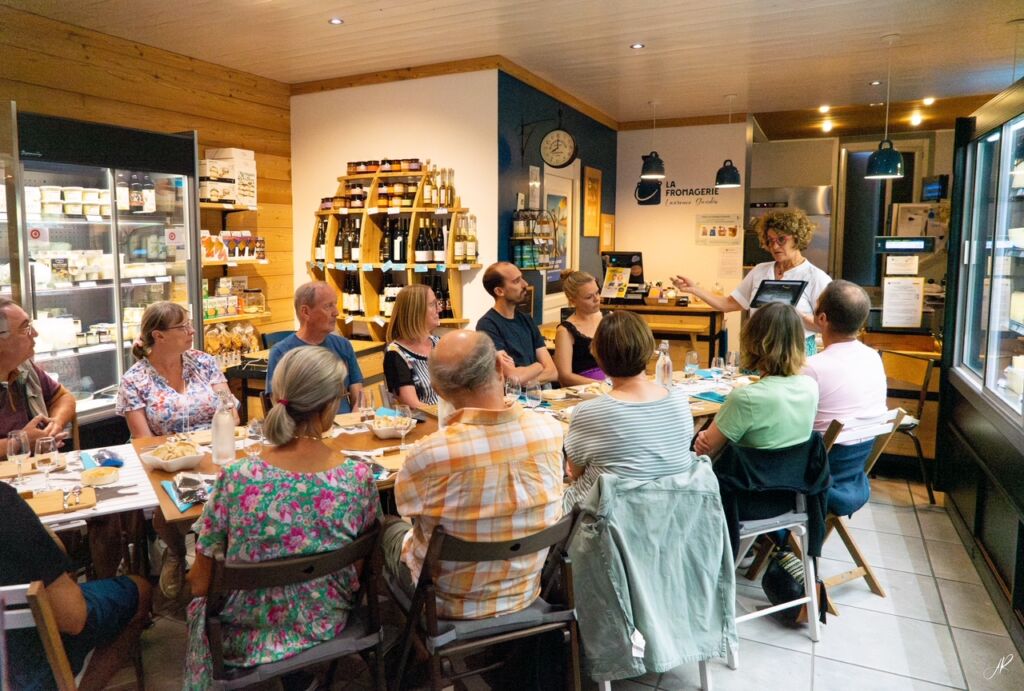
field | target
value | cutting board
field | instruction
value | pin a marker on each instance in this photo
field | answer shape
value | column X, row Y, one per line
column 205, row 436
column 8, row 469
column 48, row 503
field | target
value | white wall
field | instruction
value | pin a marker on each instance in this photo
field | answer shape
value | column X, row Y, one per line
column 452, row 120
column 666, row 234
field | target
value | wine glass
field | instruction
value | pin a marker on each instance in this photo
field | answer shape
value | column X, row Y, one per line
column 18, row 450
column 533, row 394
column 254, row 441
column 732, row 364
column 404, row 421
column 717, row 368
column 692, row 362
column 46, row 457
column 512, row 390
column 364, row 404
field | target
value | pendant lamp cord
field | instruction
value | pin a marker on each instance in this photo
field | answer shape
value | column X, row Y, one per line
column 654, row 122
column 888, row 92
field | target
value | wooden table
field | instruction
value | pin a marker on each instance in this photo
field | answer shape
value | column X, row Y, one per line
column 363, row 441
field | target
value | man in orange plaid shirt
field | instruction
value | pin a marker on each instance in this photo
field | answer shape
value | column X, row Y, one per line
column 494, row 473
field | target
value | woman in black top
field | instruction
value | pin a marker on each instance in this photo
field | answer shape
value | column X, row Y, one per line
column 573, row 359
column 415, row 316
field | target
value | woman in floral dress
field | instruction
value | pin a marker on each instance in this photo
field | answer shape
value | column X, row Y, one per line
column 171, row 389
column 300, row 498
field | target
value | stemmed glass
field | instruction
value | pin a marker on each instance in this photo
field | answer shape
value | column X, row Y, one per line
column 46, row 457
column 404, row 421
column 533, row 394
column 692, row 362
column 732, row 364
column 717, row 368
column 512, row 390
column 18, row 449
column 364, row 404
column 254, row 441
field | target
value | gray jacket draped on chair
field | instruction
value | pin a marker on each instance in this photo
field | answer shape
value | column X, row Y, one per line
column 653, row 574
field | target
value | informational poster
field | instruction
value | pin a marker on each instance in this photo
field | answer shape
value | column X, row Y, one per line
column 902, row 302
column 901, row 265
column 730, row 264
column 718, row 229
column 616, row 279
column 534, row 187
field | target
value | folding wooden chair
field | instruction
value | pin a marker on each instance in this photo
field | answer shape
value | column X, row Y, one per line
column 39, row 615
column 444, row 638
column 363, row 631
column 915, row 369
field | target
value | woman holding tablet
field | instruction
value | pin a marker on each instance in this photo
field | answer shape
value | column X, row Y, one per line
column 785, row 234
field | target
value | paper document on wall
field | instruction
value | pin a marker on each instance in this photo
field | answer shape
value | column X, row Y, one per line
column 730, row 262
column 901, row 265
column 616, row 280
column 902, row 301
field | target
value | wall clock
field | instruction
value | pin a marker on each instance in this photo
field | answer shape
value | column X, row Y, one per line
column 558, row 148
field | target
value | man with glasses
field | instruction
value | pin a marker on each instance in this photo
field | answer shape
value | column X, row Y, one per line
column 30, row 399
column 316, row 306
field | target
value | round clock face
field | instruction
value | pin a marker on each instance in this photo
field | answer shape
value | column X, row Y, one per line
column 558, row 148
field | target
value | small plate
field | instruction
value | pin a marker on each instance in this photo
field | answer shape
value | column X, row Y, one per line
column 173, row 465
column 96, row 477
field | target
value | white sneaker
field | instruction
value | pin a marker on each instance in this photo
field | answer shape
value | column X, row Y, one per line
column 745, row 563
column 172, row 575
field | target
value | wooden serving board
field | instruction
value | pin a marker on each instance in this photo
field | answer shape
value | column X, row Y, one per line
column 8, row 469
column 205, row 436
column 48, row 503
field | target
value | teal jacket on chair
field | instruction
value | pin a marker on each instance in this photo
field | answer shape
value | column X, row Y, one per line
column 653, row 574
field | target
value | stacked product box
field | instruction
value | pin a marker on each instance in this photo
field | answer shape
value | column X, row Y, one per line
column 217, row 181
column 243, row 162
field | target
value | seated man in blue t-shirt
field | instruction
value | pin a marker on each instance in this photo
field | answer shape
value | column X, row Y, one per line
column 316, row 306
column 520, row 346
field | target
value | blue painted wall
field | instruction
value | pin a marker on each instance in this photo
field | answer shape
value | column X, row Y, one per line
column 520, row 103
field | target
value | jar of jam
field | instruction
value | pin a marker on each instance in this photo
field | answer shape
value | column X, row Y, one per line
column 415, row 165
column 395, row 200
column 398, row 187
column 326, row 203
column 357, row 201
column 352, row 167
column 372, row 166
column 408, row 199
column 383, row 189
column 361, row 166
column 340, row 202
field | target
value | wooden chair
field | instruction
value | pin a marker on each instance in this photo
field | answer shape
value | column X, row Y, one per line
column 39, row 615
column 266, row 402
column 273, row 338
column 916, row 369
column 443, row 638
column 384, row 396
column 362, row 633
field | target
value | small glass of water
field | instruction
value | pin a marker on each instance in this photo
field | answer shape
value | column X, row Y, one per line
column 364, row 404
column 732, row 364
column 692, row 362
column 717, row 368
column 404, row 422
column 533, row 395
column 254, row 441
column 512, row 390
column 18, row 450
column 46, row 457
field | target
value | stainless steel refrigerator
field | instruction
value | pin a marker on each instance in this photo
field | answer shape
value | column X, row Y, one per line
column 96, row 223
column 816, row 202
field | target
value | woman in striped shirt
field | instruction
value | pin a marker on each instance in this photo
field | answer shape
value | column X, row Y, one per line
column 639, row 430
column 410, row 341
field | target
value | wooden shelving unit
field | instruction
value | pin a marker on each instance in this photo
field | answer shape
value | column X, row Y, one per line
column 240, row 317
column 369, row 268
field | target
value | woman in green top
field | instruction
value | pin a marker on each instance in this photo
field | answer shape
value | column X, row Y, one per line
column 778, row 410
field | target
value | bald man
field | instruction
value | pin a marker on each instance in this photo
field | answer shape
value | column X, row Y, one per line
column 494, row 473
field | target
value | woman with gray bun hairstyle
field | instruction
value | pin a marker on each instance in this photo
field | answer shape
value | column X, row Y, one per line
column 301, row 497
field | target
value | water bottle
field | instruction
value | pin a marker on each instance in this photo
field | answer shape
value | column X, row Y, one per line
column 663, row 369
column 223, row 432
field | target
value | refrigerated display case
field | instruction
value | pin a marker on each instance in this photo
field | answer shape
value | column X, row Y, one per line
column 99, row 223
column 980, row 437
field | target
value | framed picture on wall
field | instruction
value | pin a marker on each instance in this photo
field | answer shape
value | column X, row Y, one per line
column 591, row 202
column 607, row 243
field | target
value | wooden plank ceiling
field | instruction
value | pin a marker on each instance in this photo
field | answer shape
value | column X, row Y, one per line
column 785, row 55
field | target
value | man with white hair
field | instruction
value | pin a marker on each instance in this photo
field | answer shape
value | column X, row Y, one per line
column 30, row 399
column 316, row 306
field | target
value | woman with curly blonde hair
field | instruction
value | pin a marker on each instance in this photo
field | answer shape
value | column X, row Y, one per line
column 785, row 234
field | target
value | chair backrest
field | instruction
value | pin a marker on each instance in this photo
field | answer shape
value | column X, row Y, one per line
column 914, row 368
column 40, row 616
column 266, row 402
column 229, row 577
column 272, row 339
column 879, row 427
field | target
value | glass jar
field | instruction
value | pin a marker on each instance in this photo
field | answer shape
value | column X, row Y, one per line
column 415, row 165
column 254, row 303
column 407, row 200
column 352, row 167
column 398, row 187
column 340, row 202
column 326, row 203
column 362, row 167
column 372, row 166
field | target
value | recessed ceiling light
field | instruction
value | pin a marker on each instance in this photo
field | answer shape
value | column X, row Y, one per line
column 335, row 21
column 637, row 46
column 928, row 101
column 826, row 126
column 916, row 119
column 823, row 109
column 876, row 104
column 875, row 82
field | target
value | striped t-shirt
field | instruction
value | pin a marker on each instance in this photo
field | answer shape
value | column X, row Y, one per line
column 638, row 440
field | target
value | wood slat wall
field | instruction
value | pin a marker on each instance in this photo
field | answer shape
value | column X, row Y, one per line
column 54, row 68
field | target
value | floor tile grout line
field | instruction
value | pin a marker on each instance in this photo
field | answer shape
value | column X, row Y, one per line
column 897, row 674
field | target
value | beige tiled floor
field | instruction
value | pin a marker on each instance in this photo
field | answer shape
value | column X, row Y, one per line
column 936, row 629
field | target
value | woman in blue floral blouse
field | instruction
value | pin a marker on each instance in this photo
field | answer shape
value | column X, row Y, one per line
column 300, row 498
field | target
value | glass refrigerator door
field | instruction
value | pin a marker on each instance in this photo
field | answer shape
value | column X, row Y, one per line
column 1004, row 369
column 153, row 235
column 69, row 277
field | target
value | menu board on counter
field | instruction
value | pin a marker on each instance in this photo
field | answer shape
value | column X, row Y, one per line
column 902, row 302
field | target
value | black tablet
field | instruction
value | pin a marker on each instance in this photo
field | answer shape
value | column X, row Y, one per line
column 788, row 292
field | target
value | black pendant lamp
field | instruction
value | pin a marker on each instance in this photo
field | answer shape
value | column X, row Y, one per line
column 886, row 163
column 728, row 175
column 654, row 167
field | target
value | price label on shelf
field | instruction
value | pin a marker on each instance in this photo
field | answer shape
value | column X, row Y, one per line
column 386, row 266
column 63, row 285
column 394, row 211
column 372, row 210
column 351, row 267
column 163, row 279
column 231, row 264
column 463, row 267
column 380, row 321
column 331, row 266
column 87, row 284
column 398, row 267
column 421, row 268
column 440, row 211
column 442, row 267
column 367, row 267
column 343, row 211
column 94, row 218
column 349, row 319
column 138, row 281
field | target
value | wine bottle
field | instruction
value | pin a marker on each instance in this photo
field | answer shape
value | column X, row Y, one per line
column 360, row 299
column 424, row 252
column 390, row 295
column 344, row 293
column 428, row 187
column 135, row 202
column 355, row 240
column 451, row 187
column 397, row 245
column 318, row 249
column 384, row 293
column 434, row 191
column 122, row 193
column 471, row 250
column 385, row 243
column 339, row 250
column 148, row 195
column 442, row 195
column 346, row 243
column 460, row 242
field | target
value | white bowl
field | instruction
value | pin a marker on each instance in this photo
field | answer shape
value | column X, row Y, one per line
column 387, row 433
column 173, row 465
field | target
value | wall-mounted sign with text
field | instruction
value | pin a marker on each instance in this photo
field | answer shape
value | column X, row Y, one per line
column 718, row 229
